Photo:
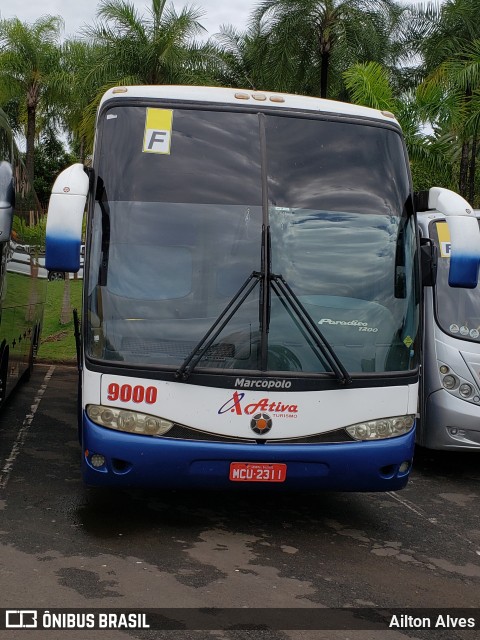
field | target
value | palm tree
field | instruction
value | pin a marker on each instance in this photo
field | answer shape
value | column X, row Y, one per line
column 451, row 95
column 78, row 58
column 241, row 56
column 159, row 48
column 307, row 38
column 450, row 49
column 29, row 62
column 373, row 86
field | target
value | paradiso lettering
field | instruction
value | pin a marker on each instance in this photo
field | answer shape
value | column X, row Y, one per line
column 236, row 405
column 362, row 326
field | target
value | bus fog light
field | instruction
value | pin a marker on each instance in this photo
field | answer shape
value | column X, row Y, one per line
column 465, row 390
column 444, row 369
column 97, row 460
column 380, row 429
column 128, row 421
column 450, row 382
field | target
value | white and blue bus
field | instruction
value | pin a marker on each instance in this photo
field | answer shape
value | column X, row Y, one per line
column 22, row 288
column 450, row 386
column 252, row 295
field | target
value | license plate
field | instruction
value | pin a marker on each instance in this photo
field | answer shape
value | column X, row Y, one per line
column 258, row 472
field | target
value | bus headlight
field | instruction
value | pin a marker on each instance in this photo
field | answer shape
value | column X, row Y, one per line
column 450, row 382
column 465, row 390
column 380, row 429
column 458, row 386
column 128, row 421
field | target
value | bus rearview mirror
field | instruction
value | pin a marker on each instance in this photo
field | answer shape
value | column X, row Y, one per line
column 65, row 217
column 7, row 200
column 464, row 235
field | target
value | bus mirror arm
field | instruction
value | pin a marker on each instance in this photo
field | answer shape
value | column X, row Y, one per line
column 464, row 236
column 428, row 262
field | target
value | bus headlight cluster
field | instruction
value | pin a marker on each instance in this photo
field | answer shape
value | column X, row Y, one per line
column 380, row 429
column 129, row 421
column 456, row 385
column 450, row 382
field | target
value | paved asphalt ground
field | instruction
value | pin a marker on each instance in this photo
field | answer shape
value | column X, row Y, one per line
column 61, row 546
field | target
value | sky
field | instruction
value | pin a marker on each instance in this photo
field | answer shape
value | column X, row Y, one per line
column 77, row 13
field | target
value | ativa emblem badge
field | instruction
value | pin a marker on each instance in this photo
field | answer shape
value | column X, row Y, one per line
column 261, row 423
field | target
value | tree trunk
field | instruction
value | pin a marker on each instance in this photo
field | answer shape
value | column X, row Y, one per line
column 464, row 160
column 30, row 143
column 463, row 179
column 82, row 149
column 472, row 170
column 325, row 63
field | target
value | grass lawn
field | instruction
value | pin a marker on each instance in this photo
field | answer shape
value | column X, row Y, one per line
column 57, row 341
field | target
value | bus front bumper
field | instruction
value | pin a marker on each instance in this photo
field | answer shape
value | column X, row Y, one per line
column 450, row 424
column 142, row 461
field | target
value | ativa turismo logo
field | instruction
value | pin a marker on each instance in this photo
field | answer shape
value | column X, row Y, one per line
column 237, row 405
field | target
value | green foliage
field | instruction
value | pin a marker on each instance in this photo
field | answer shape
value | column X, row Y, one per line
column 369, row 84
column 29, row 61
column 157, row 48
column 13, row 112
column 50, row 159
column 372, row 52
column 31, row 235
column 309, row 43
column 450, row 48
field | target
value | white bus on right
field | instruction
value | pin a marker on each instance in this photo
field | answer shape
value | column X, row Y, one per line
column 450, row 380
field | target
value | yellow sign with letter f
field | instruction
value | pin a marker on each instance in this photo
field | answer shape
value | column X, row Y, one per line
column 158, row 131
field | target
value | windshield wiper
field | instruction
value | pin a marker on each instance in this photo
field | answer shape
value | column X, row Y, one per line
column 286, row 294
column 218, row 326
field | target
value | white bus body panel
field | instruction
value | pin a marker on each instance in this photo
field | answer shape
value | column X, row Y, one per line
column 225, row 96
column 228, row 411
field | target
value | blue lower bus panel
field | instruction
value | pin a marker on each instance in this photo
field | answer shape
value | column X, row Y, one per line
column 113, row 458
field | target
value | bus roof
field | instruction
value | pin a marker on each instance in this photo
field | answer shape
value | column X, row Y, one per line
column 225, row 95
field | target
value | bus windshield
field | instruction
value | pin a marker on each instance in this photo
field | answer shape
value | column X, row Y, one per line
column 457, row 309
column 321, row 204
